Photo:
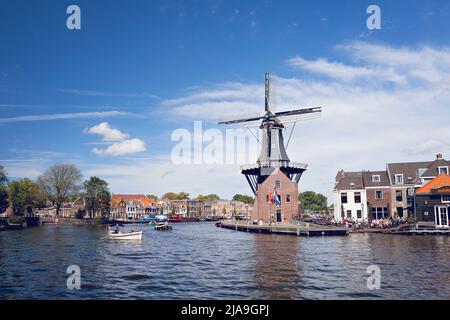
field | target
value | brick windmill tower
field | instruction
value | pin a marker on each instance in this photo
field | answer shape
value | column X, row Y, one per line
column 274, row 178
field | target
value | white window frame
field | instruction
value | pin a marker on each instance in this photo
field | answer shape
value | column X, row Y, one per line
column 377, row 176
column 445, row 201
column 442, row 167
column 381, row 194
column 399, row 175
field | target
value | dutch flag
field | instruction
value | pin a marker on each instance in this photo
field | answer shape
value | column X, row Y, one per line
column 275, row 198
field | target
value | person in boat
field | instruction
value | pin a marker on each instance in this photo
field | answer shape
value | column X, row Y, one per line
column 116, row 230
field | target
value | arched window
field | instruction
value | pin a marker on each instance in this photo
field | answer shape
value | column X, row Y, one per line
column 267, row 198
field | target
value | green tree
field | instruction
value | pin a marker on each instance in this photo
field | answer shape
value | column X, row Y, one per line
column 208, row 197
column 3, row 189
column 97, row 197
column 175, row 196
column 24, row 195
column 243, row 198
column 60, row 182
column 312, row 202
column 183, row 196
column 153, row 197
column 169, row 196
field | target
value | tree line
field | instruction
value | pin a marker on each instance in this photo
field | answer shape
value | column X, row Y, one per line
column 63, row 182
column 59, row 183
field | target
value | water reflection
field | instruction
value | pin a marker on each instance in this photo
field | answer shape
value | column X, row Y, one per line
column 200, row 261
column 277, row 271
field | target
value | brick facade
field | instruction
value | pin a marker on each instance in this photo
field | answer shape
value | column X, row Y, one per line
column 287, row 191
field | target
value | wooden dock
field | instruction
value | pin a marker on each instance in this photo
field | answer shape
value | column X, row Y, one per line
column 420, row 232
column 303, row 230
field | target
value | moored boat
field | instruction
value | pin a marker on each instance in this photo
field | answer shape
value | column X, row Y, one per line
column 163, row 226
column 120, row 235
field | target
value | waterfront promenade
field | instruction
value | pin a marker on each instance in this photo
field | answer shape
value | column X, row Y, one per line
column 300, row 229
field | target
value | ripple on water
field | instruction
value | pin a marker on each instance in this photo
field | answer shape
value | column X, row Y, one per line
column 200, row 261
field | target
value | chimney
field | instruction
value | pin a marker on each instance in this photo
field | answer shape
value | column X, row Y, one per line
column 439, row 156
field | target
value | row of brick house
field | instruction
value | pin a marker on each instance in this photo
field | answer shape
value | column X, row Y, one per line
column 128, row 206
column 135, row 206
column 367, row 195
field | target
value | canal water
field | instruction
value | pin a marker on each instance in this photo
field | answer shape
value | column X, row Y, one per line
column 200, row 261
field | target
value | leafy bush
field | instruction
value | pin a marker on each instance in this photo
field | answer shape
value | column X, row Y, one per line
column 16, row 219
column 411, row 220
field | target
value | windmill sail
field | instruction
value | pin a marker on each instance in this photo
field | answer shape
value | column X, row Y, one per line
column 273, row 151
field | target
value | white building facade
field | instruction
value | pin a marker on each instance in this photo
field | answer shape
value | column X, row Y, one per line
column 350, row 197
column 350, row 205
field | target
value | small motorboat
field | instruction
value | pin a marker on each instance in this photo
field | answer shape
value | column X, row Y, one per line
column 163, row 226
column 120, row 235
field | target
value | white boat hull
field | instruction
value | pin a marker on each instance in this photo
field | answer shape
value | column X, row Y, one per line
column 125, row 236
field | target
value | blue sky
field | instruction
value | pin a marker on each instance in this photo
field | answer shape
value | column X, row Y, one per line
column 149, row 67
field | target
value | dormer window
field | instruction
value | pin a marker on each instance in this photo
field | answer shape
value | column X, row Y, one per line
column 420, row 172
column 376, row 178
column 399, row 179
column 443, row 170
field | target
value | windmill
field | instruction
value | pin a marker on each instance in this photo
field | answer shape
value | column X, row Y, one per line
column 273, row 158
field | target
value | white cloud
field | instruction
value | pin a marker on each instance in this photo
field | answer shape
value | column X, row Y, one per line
column 93, row 93
column 121, row 148
column 391, row 105
column 109, row 134
column 119, row 142
column 64, row 116
column 332, row 69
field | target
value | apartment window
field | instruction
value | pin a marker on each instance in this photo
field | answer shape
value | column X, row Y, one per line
column 357, row 197
column 442, row 170
column 399, row 179
column 288, row 198
column 349, row 214
column 445, row 199
column 378, row 194
column 376, row 178
column 278, row 184
column 267, row 198
column 344, row 197
column 410, row 192
column 380, row 213
column 358, row 214
column 398, row 195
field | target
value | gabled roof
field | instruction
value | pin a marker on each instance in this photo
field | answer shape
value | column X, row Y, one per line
column 432, row 170
column 139, row 199
column 408, row 169
column 440, row 181
column 367, row 179
column 349, row 181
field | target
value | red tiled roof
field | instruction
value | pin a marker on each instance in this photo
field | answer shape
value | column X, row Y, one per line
column 440, row 181
column 146, row 202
